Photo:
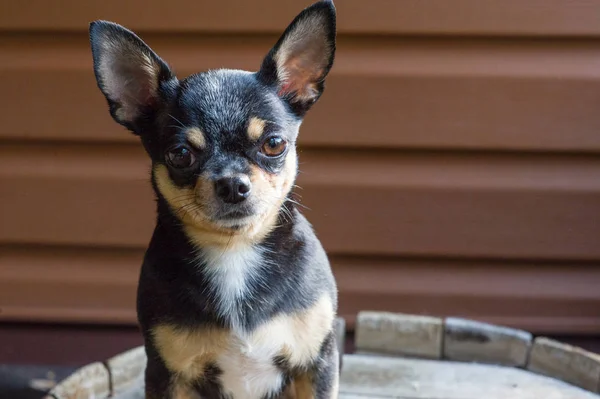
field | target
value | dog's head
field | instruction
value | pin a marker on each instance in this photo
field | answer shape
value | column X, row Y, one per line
column 222, row 142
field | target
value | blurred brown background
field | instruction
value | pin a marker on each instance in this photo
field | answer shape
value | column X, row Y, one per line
column 451, row 168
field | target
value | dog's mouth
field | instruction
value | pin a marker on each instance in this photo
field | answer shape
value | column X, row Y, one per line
column 235, row 217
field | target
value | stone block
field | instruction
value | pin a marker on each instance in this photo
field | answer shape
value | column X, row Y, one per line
column 91, row 381
column 126, row 368
column 472, row 341
column 565, row 362
column 399, row 334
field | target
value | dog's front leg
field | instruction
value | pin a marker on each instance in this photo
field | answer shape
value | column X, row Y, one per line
column 322, row 380
column 160, row 383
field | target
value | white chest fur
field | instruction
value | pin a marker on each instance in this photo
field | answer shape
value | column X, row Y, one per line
column 247, row 367
column 231, row 273
column 247, row 361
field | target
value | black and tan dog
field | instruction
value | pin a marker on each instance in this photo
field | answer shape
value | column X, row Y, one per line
column 236, row 298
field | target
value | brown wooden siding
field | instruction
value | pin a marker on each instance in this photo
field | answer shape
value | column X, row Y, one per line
column 456, row 17
column 452, row 166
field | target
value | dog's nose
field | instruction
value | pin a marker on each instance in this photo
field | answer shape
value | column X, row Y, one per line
column 233, row 190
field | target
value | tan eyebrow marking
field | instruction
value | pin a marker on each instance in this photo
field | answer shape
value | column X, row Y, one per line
column 256, row 128
column 196, row 137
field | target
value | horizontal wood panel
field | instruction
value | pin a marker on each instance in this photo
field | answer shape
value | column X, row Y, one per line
column 460, row 17
column 399, row 93
column 98, row 286
column 360, row 203
column 52, row 284
column 536, row 296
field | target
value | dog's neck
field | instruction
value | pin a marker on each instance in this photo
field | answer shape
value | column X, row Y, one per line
column 234, row 276
column 187, row 241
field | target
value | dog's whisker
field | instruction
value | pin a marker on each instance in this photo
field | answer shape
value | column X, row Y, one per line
column 177, row 120
column 188, row 205
column 286, row 212
column 187, row 210
column 298, row 203
column 184, row 196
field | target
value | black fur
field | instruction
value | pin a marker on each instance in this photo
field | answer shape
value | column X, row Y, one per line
column 326, row 368
column 173, row 287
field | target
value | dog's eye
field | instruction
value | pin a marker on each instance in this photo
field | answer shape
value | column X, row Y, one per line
column 180, row 158
column 274, row 146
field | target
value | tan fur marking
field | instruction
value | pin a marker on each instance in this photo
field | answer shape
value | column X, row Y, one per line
column 183, row 201
column 181, row 390
column 303, row 386
column 274, row 189
column 186, row 352
column 196, row 137
column 289, row 392
column 299, row 336
column 256, row 127
column 289, row 172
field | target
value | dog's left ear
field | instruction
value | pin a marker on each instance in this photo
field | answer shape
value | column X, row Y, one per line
column 302, row 57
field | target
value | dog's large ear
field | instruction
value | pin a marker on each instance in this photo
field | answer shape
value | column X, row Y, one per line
column 302, row 57
column 129, row 74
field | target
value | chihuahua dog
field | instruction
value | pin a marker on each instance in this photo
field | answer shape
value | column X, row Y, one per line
column 236, row 298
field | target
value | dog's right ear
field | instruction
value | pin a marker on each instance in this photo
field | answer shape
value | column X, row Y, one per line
column 301, row 59
column 129, row 74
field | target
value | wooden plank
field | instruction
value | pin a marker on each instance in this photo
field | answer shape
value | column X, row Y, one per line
column 426, row 379
column 462, row 17
column 419, row 94
column 465, row 205
column 98, row 285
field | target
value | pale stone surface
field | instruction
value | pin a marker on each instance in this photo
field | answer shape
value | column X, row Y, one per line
column 126, row 367
column 472, row 341
column 91, row 381
column 385, row 377
column 396, row 333
column 566, row 362
column 339, row 326
column 133, row 391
